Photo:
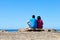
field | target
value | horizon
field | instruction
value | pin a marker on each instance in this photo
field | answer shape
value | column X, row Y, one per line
column 15, row 13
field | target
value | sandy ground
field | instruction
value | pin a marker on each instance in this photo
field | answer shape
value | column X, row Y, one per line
column 29, row 36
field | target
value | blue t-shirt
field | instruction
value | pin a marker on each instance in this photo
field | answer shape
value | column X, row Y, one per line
column 33, row 22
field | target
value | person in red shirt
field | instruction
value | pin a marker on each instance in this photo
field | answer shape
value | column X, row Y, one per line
column 39, row 22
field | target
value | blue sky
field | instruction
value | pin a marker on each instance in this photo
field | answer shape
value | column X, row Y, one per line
column 15, row 13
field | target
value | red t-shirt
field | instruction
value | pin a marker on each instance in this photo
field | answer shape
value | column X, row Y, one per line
column 40, row 24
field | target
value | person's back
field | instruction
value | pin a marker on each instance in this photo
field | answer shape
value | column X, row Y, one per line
column 32, row 22
column 39, row 22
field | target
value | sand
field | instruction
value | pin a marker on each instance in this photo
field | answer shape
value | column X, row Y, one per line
column 29, row 36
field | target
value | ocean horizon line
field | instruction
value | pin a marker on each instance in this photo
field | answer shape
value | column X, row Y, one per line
column 15, row 30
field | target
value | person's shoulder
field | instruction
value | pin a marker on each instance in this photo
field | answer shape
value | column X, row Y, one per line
column 31, row 19
column 35, row 19
column 41, row 20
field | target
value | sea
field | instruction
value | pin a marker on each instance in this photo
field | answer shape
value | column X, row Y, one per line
column 57, row 30
column 10, row 30
column 16, row 30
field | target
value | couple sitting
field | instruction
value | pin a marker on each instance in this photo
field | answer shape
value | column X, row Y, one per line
column 33, row 23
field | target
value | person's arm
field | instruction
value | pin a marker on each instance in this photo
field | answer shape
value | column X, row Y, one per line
column 28, row 22
column 42, row 22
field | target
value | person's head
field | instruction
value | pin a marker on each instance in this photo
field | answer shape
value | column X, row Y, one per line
column 38, row 17
column 33, row 16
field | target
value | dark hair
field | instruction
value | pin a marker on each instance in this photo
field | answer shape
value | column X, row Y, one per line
column 38, row 17
column 33, row 16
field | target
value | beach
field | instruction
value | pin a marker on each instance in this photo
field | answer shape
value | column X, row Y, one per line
column 29, row 36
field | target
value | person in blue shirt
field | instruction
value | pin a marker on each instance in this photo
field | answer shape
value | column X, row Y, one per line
column 32, row 22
